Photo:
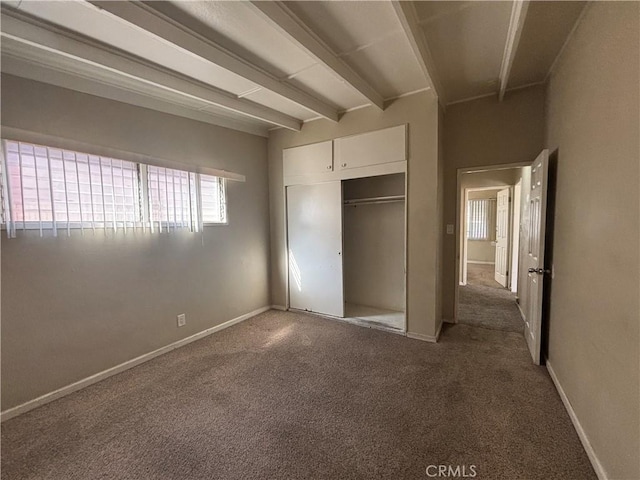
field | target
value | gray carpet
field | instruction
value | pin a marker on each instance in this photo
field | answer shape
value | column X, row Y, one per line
column 287, row 395
column 481, row 274
column 489, row 307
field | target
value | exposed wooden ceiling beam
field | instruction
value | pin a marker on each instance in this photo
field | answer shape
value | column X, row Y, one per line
column 288, row 23
column 516, row 24
column 409, row 20
column 32, row 32
column 160, row 25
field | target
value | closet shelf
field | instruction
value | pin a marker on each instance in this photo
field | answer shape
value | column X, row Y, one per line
column 374, row 200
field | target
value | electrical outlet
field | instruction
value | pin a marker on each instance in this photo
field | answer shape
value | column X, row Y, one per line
column 182, row 320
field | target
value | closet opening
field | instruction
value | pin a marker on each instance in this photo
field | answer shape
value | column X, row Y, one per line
column 374, row 250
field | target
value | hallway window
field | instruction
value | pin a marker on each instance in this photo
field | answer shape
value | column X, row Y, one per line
column 480, row 218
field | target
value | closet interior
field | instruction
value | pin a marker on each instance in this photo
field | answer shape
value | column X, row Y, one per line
column 373, row 247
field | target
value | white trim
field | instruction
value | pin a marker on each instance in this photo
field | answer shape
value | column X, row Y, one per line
column 359, row 107
column 279, row 307
column 516, row 25
column 353, row 109
column 593, row 458
column 64, row 143
column 408, row 94
column 100, row 87
column 470, row 99
column 480, row 262
column 494, row 94
column 524, row 318
column 526, row 85
column 22, row 34
column 153, row 21
column 280, row 16
column 347, row 174
column 80, row 384
column 408, row 18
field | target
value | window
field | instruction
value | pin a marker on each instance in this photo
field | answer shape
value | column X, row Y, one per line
column 172, row 198
column 51, row 188
column 481, row 219
column 214, row 201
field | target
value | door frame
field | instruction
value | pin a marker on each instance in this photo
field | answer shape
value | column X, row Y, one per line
column 463, row 227
column 514, row 262
column 458, row 220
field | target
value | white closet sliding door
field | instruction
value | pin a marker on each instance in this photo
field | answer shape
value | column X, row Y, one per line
column 314, row 223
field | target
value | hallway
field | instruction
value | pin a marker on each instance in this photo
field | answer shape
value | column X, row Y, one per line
column 483, row 302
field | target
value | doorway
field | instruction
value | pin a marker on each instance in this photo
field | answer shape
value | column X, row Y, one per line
column 489, row 231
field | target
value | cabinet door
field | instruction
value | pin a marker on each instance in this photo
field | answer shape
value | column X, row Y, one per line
column 309, row 159
column 373, row 148
column 314, row 223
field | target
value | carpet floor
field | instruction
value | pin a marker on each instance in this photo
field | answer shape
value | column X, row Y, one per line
column 489, row 307
column 293, row 396
column 481, row 274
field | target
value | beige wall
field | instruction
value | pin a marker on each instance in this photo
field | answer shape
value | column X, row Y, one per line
column 420, row 111
column 72, row 307
column 485, row 132
column 593, row 110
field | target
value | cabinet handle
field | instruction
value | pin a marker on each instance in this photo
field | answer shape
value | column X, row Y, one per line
column 328, row 167
column 344, row 164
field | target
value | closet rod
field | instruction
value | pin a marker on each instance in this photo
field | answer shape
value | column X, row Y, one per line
column 374, row 200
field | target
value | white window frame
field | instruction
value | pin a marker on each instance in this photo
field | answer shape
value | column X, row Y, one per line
column 222, row 185
column 142, row 208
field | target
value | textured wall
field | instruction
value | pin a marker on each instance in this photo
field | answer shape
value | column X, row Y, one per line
column 75, row 306
column 593, row 123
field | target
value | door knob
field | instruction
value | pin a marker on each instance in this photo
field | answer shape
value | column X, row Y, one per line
column 539, row 271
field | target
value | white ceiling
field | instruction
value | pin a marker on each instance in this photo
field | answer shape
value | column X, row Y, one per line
column 257, row 66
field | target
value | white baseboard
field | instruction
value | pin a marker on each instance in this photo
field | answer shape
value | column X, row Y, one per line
column 426, row 338
column 480, row 262
column 597, row 466
column 85, row 382
column 279, row 307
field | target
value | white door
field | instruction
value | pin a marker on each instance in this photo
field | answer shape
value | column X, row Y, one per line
column 515, row 237
column 535, row 253
column 502, row 237
column 314, row 223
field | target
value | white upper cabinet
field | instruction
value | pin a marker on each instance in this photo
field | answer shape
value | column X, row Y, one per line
column 308, row 160
column 373, row 148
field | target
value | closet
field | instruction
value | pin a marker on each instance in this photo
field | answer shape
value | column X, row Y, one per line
column 346, row 228
column 373, row 249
